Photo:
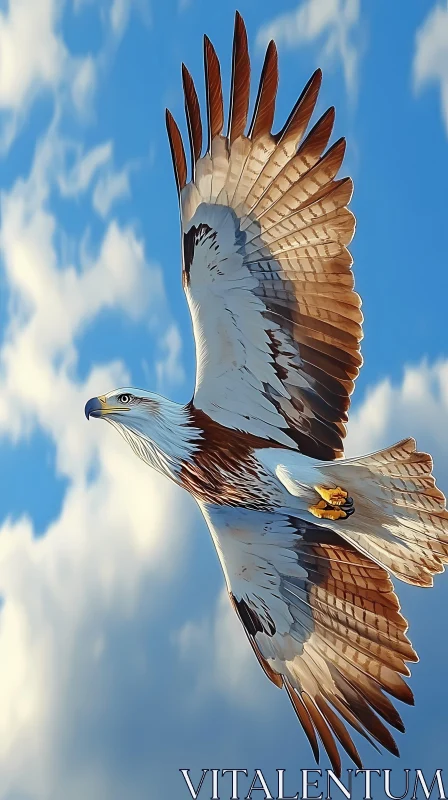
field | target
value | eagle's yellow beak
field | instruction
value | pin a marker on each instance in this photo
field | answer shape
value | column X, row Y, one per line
column 95, row 407
column 98, row 407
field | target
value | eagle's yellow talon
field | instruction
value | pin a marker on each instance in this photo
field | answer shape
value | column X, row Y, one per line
column 334, row 497
column 321, row 511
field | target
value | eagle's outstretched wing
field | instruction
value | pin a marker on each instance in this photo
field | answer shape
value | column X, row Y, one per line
column 266, row 269
column 323, row 621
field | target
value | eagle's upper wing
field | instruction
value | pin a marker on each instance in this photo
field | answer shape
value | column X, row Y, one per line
column 323, row 621
column 266, row 268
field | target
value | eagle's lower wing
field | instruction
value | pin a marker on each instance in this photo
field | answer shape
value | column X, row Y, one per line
column 266, row 268
column 323, row 621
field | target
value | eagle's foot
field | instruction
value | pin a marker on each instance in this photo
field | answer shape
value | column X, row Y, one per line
column 334, row 497
column 324, row 510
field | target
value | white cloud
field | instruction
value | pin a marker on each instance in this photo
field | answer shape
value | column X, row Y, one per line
column 84, row 83
column 95, row 166
column 111, row 554
column 64, row 597
column 34, row 58
column 431, row 54
column 31, row 53
column 77, row 179
column 331, row 23
column 110, row 187
column 96, row 576
column 222, row 661
column 119, row 15
column 418, row 407
column 54, row 302
column 116, row 13
column 169, row 369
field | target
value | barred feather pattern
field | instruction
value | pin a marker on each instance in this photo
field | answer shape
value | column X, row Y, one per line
column 323, row 621
column 401, row 517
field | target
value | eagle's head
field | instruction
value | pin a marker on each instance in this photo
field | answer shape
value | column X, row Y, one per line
column 158, row 430
column 133, row 408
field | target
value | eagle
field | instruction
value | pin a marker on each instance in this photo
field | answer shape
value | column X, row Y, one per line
column 308, row 541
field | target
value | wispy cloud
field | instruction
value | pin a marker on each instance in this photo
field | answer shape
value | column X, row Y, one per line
column 31, row 52
column 331, row 24
column 53, row 302
column 92, row 168
column 418, row 406
column 203, row 645
column 116, row 13
column 431, row 55
column 34, row 58
column 169, row 368
column 110, row 187
column 83, row 85
column 119, row 15
column 77, row 179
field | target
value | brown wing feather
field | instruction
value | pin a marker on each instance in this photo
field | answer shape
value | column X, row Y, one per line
column 213, row 90
column 304, row 718
column 177, row 152
column 339, row 730
column 308, row 154
column 355, row 646
column 287, row 139
column 324, row 732
column 264, row 110
column 193, row 115
column 323, row 620
column 352, row 646
column 356, row 642
column 240, row 83
column 300, row 115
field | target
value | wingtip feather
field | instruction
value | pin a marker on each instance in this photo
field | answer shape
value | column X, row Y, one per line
column 193, row 115
column 263, row 116
column 240, row 83
column 177, row 151
column 213, row 89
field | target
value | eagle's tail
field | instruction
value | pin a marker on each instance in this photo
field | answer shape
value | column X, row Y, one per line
column 400, row 517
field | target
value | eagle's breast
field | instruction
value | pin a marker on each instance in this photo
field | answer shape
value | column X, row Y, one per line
column 223, row 468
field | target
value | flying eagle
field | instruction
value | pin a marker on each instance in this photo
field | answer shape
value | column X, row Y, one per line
column 307, row 540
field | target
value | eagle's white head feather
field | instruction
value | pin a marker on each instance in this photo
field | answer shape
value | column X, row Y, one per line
column 158, row 430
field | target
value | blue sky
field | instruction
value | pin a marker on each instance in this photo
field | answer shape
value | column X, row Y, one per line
column 120, row 660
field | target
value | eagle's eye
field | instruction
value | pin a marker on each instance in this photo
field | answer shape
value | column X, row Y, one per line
column 124, row 398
